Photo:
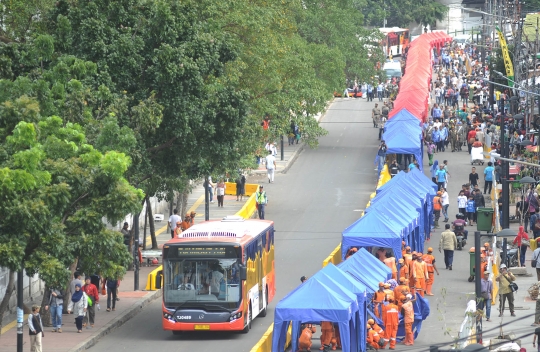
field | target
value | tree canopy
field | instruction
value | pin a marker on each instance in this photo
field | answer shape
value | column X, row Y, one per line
column 400, row 13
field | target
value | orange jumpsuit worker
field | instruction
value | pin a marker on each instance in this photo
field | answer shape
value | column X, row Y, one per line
column 408, row 315
column 391, row 322
column 192, row 218
column 403, row 269
column 412, row 281
column 304, row 342
column 429, row 259
column 186, row 224
column 391, row 263
column 401, row 291
column 403, row 246
column 388, row 291
column 327, row 329
column 420, row 274
column 372, row 337
column 378, row 298
column 376, row 326
column 408, row 257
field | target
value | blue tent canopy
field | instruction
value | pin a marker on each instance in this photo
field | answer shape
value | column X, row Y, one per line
column 363, row 263
column 404, row 137
column 418, row 175
column 403, row 116
column 332, row 302
column 373, row 230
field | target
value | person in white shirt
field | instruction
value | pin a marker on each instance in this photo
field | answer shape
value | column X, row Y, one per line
column 445, row 200
column 270, row 166
column 462, row 202
column 173, row 219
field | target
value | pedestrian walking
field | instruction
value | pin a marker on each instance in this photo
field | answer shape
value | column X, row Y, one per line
column 240, row 187
column 35, row 327
column 429, row 259
column 505, row 279
column 536, row 332
column 448, row 244
column 76, row 280
column 522, row 241
column 210, row 189
column 79, row 305
column 270, row 166
column 479, row 202
column 375, row 115
column 173, row 219
column 473, row 177
column 220, row 192
column 440, row 175
column 430, row 151
column 262, row 200
column 420, row 274
column 488, row 177
column 127, row 235
column 437, row 207
column 486, row 289
column 56, row 306
column 535, row 260
column 462, row 202
column 434, row 169
column 381, row 156
column 112, row 287
column 92, row 294
column 445, row 199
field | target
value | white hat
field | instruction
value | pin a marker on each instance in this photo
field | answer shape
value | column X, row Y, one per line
column 503, row 266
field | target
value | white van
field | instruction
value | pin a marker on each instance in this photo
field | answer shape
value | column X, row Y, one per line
column 392, row 69
column 462, row 40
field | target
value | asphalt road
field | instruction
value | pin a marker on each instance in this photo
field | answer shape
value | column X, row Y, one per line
column 323, row 192
column 320, row 195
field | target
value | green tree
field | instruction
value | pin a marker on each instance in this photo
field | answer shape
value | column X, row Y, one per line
column 400, row 13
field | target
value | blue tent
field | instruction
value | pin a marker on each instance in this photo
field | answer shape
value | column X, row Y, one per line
column 400, row 212
column 373, row 230
column 332, row 302
column 365, row 267
column 418, row 175
column 404, row 137
column 403, row 116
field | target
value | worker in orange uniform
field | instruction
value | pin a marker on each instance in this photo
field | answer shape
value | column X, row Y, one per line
column 327, row 329
column 401, row 291
column 192, row 218
column 429, row 259
column 403, row 269
column 376, row 326
column 391, row 322
column 412, row 281
column 186, row 224
column 388, row 291
column 407, row 309
column 483, row 265
column 420, row 274
column 378, row 298
column 304, row 342
column 403, row 246
column 372, row 337
column 487, row 251
column 408, row 257
column 391, row 263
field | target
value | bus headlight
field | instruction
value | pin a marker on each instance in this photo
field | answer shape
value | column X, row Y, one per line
column 167, row 316
column 235, row 316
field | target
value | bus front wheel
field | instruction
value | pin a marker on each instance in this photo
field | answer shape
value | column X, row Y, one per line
column 249, row 319
column 263, row 312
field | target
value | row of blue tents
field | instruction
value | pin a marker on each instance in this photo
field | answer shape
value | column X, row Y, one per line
column 400, row 211
column 403, row 135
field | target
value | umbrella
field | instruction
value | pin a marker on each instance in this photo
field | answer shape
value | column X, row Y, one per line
column 507, row 233
column 518, row 117
column 525, row 142
column 527, row 179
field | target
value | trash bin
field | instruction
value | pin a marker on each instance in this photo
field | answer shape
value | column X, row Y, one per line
column 533, row 243
column 485, row 219
column 471, row 264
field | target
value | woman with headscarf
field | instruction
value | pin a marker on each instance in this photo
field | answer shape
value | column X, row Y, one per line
column 434, row 169
column 522, row 240
column 78, row 304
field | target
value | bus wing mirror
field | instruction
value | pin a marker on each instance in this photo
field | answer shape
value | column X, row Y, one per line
column 243, row 273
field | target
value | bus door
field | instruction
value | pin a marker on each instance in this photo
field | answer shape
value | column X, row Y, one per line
column 260, row 272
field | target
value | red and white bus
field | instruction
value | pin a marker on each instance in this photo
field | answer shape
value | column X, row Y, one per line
column 395, row 40
column 218, row 275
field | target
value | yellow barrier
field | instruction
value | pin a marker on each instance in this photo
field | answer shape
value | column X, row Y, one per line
column 265, row 343
column 152, row 279
column 334, row 257
column 250, row 188
column 248, row 209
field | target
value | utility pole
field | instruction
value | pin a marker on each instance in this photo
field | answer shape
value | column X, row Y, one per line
column 20, row 311
column 136, row 251
column 206, row 199
column 478, row 284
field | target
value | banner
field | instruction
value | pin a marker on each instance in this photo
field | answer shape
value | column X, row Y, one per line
column 506, row 57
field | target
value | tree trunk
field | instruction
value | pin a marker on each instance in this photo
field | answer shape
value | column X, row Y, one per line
column 45, row 314
column 152, row 227
column 67, row 296
column 5, row 301
column 144, row 231
column 184, row 203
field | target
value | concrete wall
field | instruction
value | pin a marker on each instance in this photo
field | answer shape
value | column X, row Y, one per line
column 32, row 289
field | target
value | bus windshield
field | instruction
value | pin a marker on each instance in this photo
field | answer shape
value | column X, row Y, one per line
column 193, row 282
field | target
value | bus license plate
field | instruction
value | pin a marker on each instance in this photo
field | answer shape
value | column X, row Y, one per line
column 202, row 327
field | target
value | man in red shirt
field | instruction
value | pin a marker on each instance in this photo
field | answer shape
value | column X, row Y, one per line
column 92, row 292
column 471, row 137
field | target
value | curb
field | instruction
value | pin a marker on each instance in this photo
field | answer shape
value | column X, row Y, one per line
column 117, row 322
column 292, row 159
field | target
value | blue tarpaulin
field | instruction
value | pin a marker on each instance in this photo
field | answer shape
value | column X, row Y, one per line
column 366, row 268
column 404, row 137
column 315, row 301
column 373, row 230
